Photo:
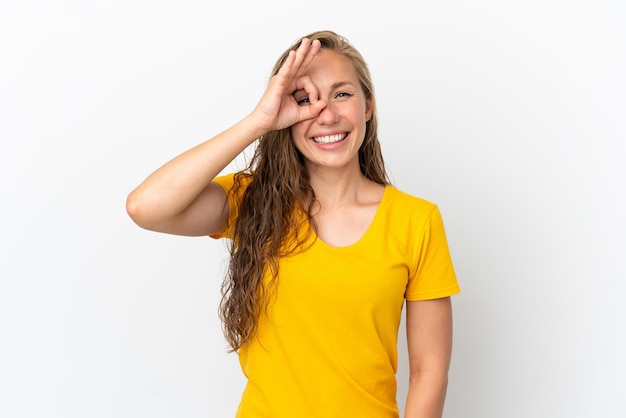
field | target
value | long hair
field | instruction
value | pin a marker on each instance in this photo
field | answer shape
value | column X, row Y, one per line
column 274, row 215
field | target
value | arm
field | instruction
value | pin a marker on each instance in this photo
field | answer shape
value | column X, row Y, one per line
column 180, row 197
column 429, row 338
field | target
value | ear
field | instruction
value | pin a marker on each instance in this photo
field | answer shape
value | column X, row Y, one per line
column 369, row 108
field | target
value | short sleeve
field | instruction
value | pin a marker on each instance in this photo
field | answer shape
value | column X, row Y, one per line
column 227, row 183
column 433, row 275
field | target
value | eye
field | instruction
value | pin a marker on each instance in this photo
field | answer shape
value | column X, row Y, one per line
column 343, row 94
column 303, row 101
column 301, row 97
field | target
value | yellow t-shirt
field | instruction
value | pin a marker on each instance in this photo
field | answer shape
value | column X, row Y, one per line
column 326, row 348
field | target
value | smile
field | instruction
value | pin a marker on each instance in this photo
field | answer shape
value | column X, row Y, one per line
column 330, row 139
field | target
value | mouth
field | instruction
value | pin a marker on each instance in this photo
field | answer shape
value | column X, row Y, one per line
column 330, row 139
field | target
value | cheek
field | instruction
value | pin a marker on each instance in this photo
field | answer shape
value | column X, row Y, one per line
column 296, row 129
column 297, row 135
column 299, row 130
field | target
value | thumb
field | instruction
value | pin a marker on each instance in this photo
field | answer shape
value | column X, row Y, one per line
column 314, row 109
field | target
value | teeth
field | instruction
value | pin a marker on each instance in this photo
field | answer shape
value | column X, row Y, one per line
column 329, row 139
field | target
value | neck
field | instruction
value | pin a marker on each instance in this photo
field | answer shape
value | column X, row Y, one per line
column 337, row 187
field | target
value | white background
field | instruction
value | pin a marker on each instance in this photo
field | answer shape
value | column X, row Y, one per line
column 508, row 114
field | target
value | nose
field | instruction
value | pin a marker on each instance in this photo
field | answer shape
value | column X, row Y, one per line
column 328, row 115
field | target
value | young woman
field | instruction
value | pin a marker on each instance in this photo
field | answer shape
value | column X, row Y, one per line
column 324, row 250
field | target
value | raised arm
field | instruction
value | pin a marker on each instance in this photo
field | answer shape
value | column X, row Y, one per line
column 429, row 337
column 180, row 197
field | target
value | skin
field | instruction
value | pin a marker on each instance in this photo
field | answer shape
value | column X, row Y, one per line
column 316, row 94
column 429, row 338
column 346, row 200
column 347, row 110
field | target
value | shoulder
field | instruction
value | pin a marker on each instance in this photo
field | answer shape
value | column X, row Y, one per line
column 406, row 212
column 234, row 181
column 402, row 201
column 234, row 185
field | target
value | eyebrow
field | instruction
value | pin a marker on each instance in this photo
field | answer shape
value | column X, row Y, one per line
column 341, row 84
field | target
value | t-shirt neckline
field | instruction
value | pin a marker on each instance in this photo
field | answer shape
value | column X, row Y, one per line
column 365, row 234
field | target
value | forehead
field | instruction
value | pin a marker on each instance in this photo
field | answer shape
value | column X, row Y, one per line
column 331, row 66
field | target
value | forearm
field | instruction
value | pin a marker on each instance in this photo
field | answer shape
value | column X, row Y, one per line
column 174, row 186
column 426, row 395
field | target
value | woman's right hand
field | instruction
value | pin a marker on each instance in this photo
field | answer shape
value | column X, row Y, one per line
column 277, row 108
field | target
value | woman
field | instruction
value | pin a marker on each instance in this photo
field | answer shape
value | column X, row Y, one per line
column 324, row 250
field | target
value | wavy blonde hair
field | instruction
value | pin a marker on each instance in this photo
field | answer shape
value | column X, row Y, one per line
column 270, row 224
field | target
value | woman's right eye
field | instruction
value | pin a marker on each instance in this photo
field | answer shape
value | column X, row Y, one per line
column 303, row 101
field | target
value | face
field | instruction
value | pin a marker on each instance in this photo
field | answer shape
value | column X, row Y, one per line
column 332, row 139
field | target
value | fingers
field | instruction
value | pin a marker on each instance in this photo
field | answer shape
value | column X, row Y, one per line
column 313, row 49
column 305, row 83
column 301, row 54
column 278, row 108
column 297, row 60
column 313, row 110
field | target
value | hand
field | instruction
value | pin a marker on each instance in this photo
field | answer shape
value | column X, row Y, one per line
column 277, row 108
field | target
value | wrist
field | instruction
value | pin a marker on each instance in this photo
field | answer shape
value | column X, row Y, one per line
column 255, row 125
